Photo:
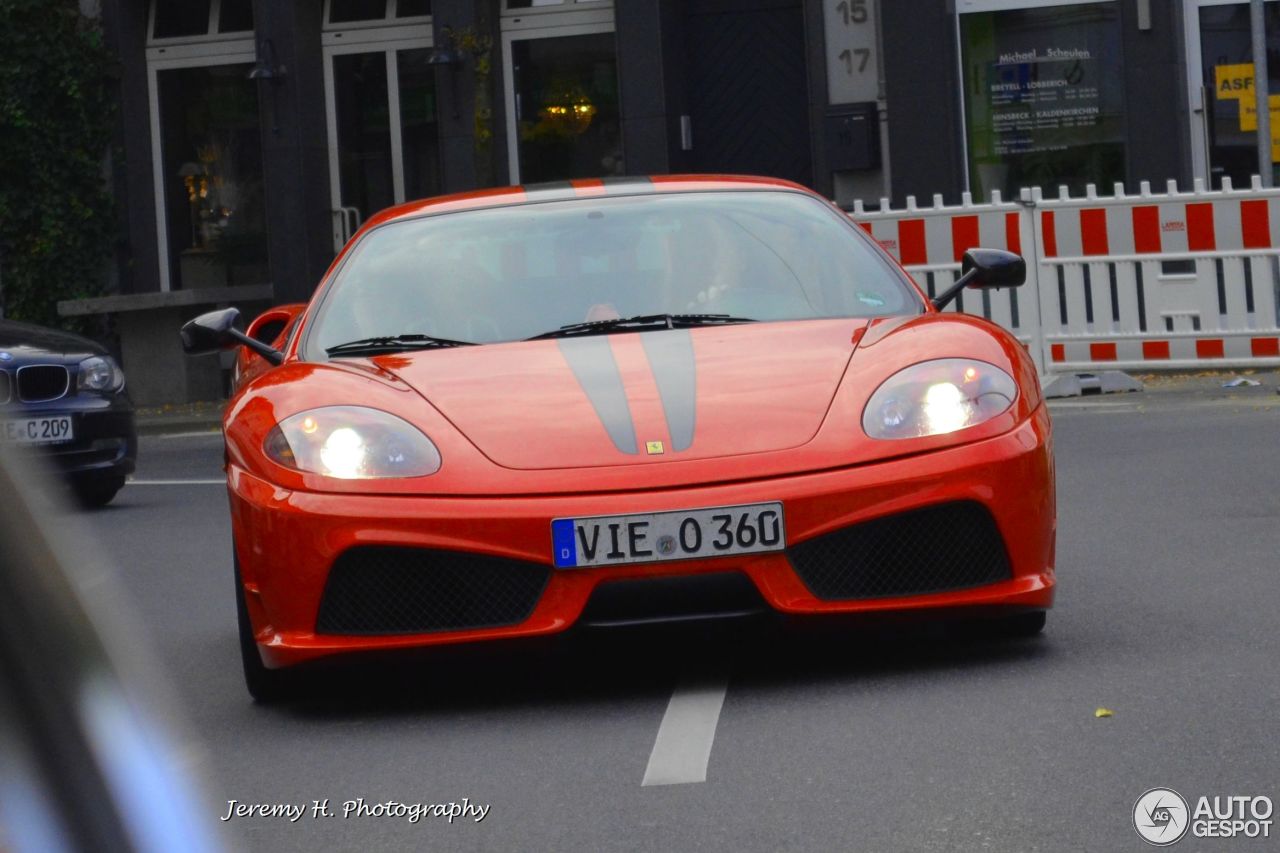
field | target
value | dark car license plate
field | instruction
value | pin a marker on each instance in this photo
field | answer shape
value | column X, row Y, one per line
column 48, row 430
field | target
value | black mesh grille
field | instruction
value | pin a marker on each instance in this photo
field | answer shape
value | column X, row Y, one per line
column 41, row 382
column 6, row 389
column 945, row 547
column 386, row 590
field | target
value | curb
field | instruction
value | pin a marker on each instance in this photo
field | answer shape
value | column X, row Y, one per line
column 206, row 417
column 166, row 426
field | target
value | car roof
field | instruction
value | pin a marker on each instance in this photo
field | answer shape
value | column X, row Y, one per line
column 580, row 188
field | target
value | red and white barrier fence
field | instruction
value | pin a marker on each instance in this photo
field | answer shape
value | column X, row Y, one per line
column 931, row 242
column 1148, row 281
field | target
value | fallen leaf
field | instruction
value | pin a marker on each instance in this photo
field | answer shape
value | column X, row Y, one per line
column 1104, row 712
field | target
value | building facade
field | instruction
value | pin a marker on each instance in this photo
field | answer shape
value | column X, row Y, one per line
column 258, row 134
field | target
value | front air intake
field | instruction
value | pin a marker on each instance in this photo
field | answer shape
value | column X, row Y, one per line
column 393, row 590
column 936, row 549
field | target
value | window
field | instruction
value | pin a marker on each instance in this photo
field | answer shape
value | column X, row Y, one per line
column 199, row 19
column 536, row 4
column 173, row 19
column 344, row 11
column 1043, row 97
column 1226, row 54
column 235, row 16
column 212, row 176
column 374, row 11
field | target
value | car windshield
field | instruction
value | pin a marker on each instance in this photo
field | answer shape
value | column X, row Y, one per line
column 510, row 273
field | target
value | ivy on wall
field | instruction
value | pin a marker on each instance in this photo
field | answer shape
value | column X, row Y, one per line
column 56, row 215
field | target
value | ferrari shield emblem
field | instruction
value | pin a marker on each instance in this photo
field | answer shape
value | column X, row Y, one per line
column 653, row 447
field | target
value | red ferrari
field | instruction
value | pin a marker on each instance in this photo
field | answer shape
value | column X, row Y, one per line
column 510, row 412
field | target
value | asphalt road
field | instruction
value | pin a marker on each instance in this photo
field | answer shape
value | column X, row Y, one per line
column 901, row 740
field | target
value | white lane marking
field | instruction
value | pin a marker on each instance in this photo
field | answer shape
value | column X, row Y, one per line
column 204, row 433
column 176, row 482
column 683, row 746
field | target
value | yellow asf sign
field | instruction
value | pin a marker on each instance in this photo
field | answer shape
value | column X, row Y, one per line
column 1235, row 83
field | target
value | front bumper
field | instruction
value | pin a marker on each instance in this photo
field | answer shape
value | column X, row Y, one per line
column 105, row 442
column 287, row 541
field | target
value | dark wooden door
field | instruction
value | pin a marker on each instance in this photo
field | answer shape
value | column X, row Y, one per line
column 747, row 92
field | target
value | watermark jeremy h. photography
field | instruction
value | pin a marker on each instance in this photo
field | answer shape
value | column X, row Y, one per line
column 358, row 808
column 1162, row 816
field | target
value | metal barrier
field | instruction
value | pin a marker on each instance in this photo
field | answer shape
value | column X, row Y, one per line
column 1149, row 281
column 930, row 243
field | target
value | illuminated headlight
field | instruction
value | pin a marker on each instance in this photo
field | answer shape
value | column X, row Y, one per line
column 99, row 373
column 938, row 397
column 352, row 443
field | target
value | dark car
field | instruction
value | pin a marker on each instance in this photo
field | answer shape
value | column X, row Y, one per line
column 64, row 396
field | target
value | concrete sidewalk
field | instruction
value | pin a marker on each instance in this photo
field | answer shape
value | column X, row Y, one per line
column 1165, row 392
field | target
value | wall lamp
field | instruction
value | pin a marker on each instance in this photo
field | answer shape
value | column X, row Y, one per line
column 450, row 57
column 266, row 67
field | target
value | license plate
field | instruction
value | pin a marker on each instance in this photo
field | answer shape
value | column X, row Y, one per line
column 688, row 534
column 50, row 430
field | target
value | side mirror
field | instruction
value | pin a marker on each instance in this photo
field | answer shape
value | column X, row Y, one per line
column 216, row 331
column 994, row 268
column 985, row 268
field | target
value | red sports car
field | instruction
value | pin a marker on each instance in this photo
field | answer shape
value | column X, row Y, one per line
column 514, row 411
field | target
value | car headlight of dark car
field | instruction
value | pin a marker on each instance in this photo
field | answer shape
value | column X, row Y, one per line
column 100, row 373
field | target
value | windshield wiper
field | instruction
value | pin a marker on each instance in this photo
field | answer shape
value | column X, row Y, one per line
column 642, row 322
column 393, row 343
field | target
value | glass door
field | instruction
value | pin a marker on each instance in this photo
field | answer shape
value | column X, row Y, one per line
column 562, row 96
column 206, row 144
column 383, row 131
column 211, row 155
column 1227, row 109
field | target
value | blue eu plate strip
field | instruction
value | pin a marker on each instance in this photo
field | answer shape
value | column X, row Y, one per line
column 563, row 547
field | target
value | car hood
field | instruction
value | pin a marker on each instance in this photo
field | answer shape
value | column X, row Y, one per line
column 24, row 342
column 638, row 398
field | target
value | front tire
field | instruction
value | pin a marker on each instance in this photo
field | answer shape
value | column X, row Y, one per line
column 1023, row 625
column 266, row 686
column 1017, row 626
column 97, row 491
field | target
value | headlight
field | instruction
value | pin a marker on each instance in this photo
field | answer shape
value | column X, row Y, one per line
column 352, row 443
column 100, row 373
column 938, row 397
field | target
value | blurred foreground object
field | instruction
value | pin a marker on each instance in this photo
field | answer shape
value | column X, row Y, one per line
column 88, row 756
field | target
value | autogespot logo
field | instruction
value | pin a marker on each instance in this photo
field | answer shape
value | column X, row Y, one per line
column 1160, row 816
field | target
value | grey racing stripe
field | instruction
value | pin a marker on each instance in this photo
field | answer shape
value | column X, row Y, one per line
column 627, row 185
column 674, row 367
column 592, row 362
column 548, row 191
